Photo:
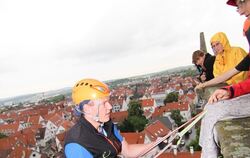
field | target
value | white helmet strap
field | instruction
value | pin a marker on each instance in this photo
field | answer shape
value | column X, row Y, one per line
column 96, row 117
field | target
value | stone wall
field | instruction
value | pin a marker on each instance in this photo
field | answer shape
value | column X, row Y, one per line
column 234, row 137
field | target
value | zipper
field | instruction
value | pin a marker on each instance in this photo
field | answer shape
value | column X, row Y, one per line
column 110, row 142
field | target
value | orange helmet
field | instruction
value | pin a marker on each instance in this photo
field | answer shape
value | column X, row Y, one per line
column 89, row 89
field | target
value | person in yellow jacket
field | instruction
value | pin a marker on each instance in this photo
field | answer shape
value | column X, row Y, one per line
column 227, row 57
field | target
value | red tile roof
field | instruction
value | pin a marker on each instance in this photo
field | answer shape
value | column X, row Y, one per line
column 34, row 119
column 56, row 119
column 119, row 116
column 158, row 91
column 33, row 128
column 177, row 105
column 116, row 101
column 134, row 138
column 48, row 116
column 5, row 143
column 31, row 138
column 191, row 96
column 9, row 115
column 187, row 98
column 27, row 112
column 158, row 112
column 20, row 151
column 67, row 124
column 3, row 116
column 43, row 111
column 155, row 130
column 18, row 139
column 21, row 119
column 61, row 136
column 170, row 106
column 147, row 103
column 9, row 128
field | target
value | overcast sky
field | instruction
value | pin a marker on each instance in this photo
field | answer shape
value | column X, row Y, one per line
column 51, row 44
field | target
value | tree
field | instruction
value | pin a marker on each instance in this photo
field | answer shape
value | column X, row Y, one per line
column 136, row 121
column 126, row 126
column 171, row 97
column 2, row 135
column 133, row 124
column 189, row 73
column 57, row 98
column 20, row 104
column 135, row 109
column 136, row 94
column 195, row 142
column 176, row 116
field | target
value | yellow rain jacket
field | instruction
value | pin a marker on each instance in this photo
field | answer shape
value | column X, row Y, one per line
column 228, row 59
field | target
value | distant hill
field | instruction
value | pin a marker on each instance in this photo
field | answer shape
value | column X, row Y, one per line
column 34, row 97
column 164, row 72
column 67, row 91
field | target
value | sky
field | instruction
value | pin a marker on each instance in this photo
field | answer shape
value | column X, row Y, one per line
column 51, row 44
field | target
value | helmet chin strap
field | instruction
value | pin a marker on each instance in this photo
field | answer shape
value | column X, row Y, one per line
column 94, row 118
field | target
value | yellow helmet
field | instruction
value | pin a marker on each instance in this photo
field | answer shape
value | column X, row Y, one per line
column 89, row 89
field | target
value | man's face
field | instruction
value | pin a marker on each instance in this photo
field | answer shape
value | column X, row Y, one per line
column 104, row 109
column 217, row 47
column 243, row 7
column 200, row 60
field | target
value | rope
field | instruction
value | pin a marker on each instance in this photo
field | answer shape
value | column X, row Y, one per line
column 200, row 115
column 196, row 118
column 186, row 129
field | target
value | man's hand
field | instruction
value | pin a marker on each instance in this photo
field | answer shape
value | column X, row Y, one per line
column 199, row 86
column 203, row 77
column 219, row 94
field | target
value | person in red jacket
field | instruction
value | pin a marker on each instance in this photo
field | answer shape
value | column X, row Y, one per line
column 230, row 91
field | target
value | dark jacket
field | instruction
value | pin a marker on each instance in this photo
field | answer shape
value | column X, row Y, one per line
column 96, row 143
column 208, row 64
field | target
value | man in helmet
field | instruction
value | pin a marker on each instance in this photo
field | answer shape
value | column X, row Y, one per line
column 94, row 135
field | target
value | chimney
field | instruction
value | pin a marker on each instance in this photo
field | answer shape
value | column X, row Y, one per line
column 191, row 150
column 203, row 42
column 175, row 149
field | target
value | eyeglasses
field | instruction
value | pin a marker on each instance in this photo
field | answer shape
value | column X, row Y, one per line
column 215, row 45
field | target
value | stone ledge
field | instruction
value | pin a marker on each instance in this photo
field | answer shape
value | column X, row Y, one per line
column 234, row 137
